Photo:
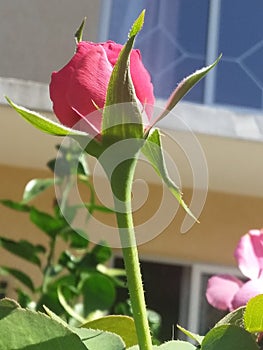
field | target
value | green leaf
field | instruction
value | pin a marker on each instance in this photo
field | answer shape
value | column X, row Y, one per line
column 67, row 307
column 43, row 123
column 54, row 316
column 152, row 149
column 235, row 317
column 101, row 253
column 36, row 186
column 99, row 340
column 68, row 260
column 98, row 291
column 19, row 275
column 183, row 88
column 171, row 345
column 50, row 295
column 94, row 340
column 23, row 298
column 23, row 249
column 15, row 205
column 122, row 118
column 79, row 32
column 111, row 271
column 77, row 240
column 176, row 345
column 46, row 222
column 253, row 317
column 25, row 329
column 83, row 168
column 196, row 337
column 121, row 325
column 116, row 275
column 59, row 166
column 95, row 207
column 228, row 337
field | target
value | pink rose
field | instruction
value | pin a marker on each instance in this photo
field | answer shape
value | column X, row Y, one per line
column 227, row 292
column 81, row 86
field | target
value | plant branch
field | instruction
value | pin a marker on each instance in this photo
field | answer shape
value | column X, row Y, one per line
column 46, row 271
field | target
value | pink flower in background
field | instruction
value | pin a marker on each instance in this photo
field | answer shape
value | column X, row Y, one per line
column 80, row 87
column 227, row 292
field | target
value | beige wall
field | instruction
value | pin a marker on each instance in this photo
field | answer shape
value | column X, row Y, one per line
column 224, row 219
column 37, row 37
column 234, row 203
column 233, row 206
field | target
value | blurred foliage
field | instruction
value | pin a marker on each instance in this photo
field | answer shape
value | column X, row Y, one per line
column 76, row 284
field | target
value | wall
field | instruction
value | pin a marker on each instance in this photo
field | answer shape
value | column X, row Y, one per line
column 36, row 36
column 224, row 219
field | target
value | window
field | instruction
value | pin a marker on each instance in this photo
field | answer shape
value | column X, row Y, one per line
column 177, row 293
column 202, row 316
column 180, row 36
column 165, row 292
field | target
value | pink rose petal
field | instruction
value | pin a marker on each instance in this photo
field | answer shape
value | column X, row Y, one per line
column 78, row 89
column 221, row 290
column 90, row 81
column 58, row 92
column 249, row 254
column 249, row 290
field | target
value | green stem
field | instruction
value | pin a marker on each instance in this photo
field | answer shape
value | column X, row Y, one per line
column 46, row 271
column 121, row 183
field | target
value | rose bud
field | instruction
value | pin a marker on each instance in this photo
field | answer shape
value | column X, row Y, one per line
column 80, row 87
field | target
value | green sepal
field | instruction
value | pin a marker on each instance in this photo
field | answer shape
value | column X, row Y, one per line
column 79, row 33
column 122, row 118
column 152, row 149
column 183, row 88
column 44, row 124
column 137, row 25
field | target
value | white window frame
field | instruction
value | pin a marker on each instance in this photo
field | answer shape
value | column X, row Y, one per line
column 198, row 270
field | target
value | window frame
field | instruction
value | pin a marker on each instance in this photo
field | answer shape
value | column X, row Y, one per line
column 199, row 269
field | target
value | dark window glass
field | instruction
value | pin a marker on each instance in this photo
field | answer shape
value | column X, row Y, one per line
column 208, row 315
column 162, row 284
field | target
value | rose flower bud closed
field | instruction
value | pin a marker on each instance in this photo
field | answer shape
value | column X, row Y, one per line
column 80, row 87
